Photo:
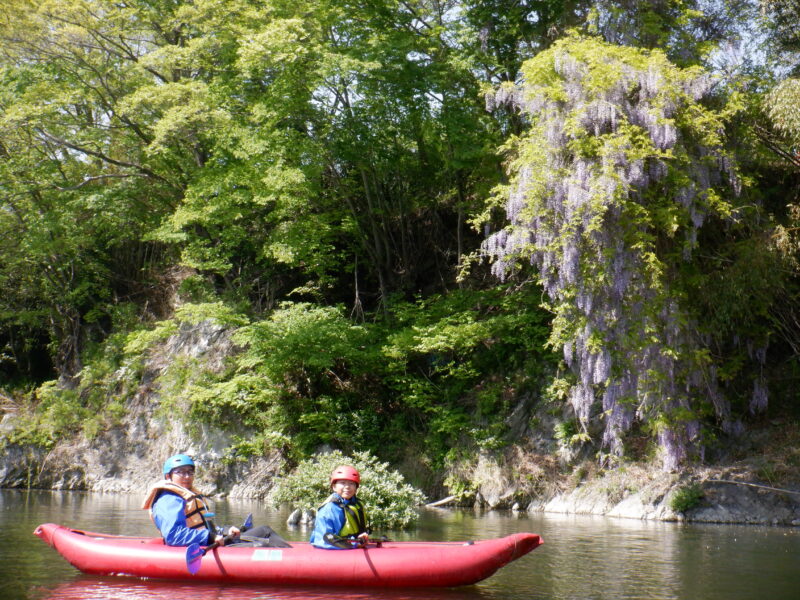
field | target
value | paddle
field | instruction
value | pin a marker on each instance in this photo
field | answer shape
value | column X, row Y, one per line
column 195, row 554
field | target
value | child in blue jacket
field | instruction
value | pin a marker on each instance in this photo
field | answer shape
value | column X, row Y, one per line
column 341, row 522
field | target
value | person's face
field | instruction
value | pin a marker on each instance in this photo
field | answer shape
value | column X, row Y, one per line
column 345, row 488
column 183, row 476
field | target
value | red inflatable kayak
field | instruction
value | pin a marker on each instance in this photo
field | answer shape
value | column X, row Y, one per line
column 393, row 564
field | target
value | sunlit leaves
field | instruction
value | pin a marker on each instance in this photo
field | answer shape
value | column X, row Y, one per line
column 783, row 107
column 301, row 340
column 280, row 41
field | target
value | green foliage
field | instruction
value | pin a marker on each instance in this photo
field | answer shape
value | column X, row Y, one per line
column 112, row 375
column 310, row 373
column 306, row 374
column 51, row 414
column 260, row 166
column 439, row 350
column 391, row 503
column 70, row 227
column 294, row 376
column 686, row 497
column 459, row 464
column 781, row 105
column 255, row 444
column 569, row 434
column 676, row 26
column 301, row 340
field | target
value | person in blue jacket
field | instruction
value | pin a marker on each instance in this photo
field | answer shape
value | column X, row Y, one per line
column 341, row 521
column 182, row 515
column 178, row 509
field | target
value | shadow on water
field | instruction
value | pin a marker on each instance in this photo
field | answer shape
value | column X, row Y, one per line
column 582, row 557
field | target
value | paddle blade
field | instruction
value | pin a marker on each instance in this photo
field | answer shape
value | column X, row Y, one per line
column 194, row 555
column 248, row 522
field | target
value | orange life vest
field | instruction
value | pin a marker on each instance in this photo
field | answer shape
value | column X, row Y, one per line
column 195, row 507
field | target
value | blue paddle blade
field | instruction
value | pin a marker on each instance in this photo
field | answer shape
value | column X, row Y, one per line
column 248, row 522
column 194, row 555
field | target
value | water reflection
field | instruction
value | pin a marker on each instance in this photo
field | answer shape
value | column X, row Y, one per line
column 595, row 557
column 85, row 588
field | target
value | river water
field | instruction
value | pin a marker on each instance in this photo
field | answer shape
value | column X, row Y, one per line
column 582, row 557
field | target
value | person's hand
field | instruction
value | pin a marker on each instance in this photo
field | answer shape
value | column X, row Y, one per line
column 220, row 539
column 363, row 539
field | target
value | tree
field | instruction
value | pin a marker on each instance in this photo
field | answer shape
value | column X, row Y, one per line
column 132, row 128
column 621, row 168
column 72, row 198
column 688, row 31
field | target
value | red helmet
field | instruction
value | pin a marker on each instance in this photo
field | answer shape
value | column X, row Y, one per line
column 345, row 472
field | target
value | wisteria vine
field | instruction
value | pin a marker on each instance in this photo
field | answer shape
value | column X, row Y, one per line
column 620, row 168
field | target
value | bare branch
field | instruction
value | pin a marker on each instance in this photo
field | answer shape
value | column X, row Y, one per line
column 62, row 142
column 88, row 180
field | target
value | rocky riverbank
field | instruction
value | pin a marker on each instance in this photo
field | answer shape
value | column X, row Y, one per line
column 709, row 494
column 757, row 482
column 704, row 494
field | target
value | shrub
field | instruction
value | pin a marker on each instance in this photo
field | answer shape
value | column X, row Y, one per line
column 686, row 497
column 390, row 501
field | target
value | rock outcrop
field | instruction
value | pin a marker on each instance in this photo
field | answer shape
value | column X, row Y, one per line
column 127, row 457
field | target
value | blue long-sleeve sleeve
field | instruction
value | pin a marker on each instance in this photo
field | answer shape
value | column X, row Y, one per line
column 169, row 517
column 330, row 519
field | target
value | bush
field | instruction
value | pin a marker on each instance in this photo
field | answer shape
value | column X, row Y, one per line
column 686, row 497
column 390, row 501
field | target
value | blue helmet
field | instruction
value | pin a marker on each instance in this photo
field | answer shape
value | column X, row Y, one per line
column 179, row 460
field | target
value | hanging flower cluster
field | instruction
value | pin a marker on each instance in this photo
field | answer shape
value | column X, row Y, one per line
column 620, row 168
